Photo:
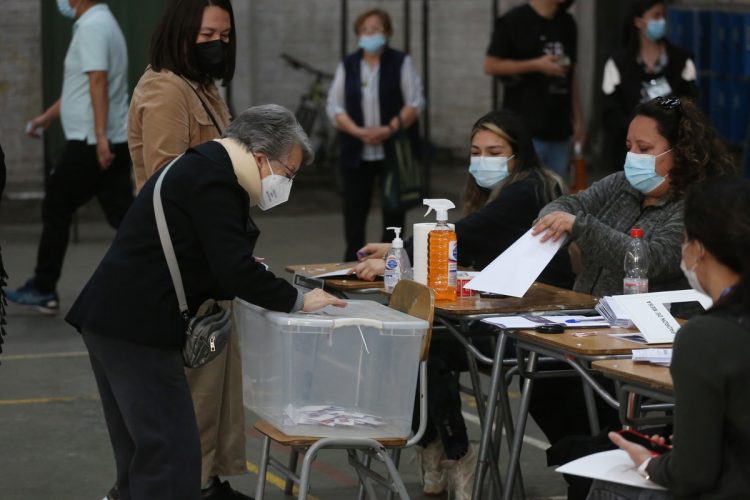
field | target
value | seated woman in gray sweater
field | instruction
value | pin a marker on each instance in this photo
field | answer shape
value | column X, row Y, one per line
column 710, row 457
column 671, row 147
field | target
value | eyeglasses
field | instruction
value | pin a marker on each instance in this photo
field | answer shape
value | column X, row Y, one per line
column 291, row 174
column 668, row 102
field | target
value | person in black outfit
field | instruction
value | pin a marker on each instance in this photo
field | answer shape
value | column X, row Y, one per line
column 95, row 161
column 375, row 92
column 534, row 50
column 128, row 311
column 648, row 66
column 504, row 192
column 710, row 455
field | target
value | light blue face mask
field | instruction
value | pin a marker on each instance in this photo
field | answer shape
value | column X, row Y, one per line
column 65, row 9
column 489, row 171
column 372, row 43
column 640, row 170
column 656, row 29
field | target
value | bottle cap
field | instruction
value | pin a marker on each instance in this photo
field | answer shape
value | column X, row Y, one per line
column 397, row 241
column 636, row 232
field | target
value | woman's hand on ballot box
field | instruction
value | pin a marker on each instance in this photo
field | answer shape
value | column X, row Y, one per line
column 370, row 269
column 373, row 251
column 318, row 299
column 556, row 225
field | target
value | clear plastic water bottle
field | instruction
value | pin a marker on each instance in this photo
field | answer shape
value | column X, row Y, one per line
column 636, row 264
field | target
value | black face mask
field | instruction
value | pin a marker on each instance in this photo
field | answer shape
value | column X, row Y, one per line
column 212, row 57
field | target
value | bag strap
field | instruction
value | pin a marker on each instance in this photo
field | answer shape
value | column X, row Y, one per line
column 166, row 243
column 205, row 106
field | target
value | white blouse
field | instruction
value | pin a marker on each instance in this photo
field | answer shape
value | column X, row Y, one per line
column 411, row 88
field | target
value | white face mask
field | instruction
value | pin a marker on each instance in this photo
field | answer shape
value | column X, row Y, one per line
column 690, row 274
column 489, row 171
column 274, row 189
column 65, row 9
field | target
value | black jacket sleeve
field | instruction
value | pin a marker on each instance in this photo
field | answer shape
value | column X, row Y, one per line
column 217, row 209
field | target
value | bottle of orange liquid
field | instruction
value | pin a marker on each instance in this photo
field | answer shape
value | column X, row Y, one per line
column 442, row 252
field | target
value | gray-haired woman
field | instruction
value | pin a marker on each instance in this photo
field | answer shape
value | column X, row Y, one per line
column 128, row 312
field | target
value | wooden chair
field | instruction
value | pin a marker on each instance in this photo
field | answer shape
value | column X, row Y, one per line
column 411, row 298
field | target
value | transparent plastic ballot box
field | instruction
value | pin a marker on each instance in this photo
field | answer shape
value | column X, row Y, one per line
column 338, row 372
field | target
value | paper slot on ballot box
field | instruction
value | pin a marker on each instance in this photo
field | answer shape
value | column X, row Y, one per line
column 515, row 270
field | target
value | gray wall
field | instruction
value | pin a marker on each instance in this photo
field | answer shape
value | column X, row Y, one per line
column 310, row 30
column 459, row 34
column 20, row 91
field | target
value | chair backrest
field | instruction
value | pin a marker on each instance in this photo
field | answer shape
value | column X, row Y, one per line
column 415, row 300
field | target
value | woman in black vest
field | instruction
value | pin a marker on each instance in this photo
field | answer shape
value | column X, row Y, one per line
column 648, row 66
column 374, row 89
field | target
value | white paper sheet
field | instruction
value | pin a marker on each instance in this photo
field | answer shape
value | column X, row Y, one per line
column 613, row 465
column 516, row 269
column 338, row 272
column 513, row 322
column 648, row 313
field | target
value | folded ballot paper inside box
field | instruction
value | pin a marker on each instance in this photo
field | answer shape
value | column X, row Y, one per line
column 340, row 372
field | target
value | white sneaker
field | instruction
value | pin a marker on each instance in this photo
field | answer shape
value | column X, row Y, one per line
column 461, row 473
column 434, row 480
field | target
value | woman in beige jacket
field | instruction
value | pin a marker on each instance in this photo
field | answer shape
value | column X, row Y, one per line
column 175, row 106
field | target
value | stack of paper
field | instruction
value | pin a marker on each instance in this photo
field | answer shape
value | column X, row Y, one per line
column 613, row 312
column 661, row 357
column 329, row 416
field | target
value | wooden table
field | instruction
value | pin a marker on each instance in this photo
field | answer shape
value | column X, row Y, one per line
column 540, row 298
column 340, row 284
column 457, row 315
column 579, row 348
column 636, row 381
column 626, row 370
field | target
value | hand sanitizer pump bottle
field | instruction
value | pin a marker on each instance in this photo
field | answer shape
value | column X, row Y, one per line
column 397, row 264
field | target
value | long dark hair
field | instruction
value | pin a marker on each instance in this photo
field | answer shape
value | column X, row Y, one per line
column 630, row 36
column 717, row 213
column 512, row 128
column 173, row 41
column 698, row 151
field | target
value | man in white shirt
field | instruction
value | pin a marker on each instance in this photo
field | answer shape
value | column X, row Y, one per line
column 93, row 109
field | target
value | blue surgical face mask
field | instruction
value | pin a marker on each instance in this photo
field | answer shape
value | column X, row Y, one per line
column 65, row 9
column 372, row 43
column 640, row 170
column 489, row 171
column 656, row 29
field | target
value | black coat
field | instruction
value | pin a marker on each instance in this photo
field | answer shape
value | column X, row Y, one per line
column 488, row 232
column 131, row 296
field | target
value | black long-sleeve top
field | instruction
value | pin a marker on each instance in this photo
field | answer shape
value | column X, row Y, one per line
column 711, row 373
column 488, row 232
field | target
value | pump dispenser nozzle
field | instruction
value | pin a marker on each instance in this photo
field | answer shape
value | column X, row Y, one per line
column 397, row 241
column 440, row 206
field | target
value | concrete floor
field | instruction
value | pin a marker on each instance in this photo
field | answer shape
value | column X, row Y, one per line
column 54, row 442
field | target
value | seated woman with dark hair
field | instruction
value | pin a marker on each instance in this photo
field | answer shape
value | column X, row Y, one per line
column 710, row 457
column 671, row 147
column 504, row 192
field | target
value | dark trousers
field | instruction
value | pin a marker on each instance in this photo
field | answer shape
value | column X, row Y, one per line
column 150, row 418
column 76, row 179
column 358, row 184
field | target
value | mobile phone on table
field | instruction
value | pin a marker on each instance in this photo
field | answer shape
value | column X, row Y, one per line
column 645, row 441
